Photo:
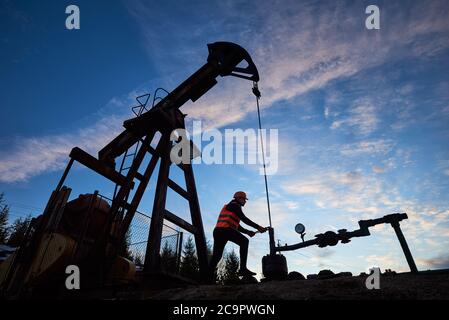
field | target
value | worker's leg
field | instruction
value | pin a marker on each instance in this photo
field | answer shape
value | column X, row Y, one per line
column 220, row 240
column 239, row 239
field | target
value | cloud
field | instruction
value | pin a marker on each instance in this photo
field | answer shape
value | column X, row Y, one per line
column 292, row 205
column 388, row 261
column 438, row 262
column 369, row 147
column 299, row 47
column 325, row 183
column 353, row 196
column 354, row 193
column 327, row 112
column 378, row 169
column 325, row 253
column 361, row 118
column 33, row 156
column 443, row 166
column 386, row 165
column 257, row 211
column 28, row 157
column 445, row 111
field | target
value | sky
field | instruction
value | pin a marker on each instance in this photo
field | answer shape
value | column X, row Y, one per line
column 362, row 115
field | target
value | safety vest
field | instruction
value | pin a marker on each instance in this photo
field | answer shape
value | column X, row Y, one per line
column 227, row 219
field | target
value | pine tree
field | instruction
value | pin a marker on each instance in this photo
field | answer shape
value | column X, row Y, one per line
column 19, row 229
column 4, row 213
column 210, row 250
column 210, row 253
column 229, row 273
column 138, row 258
column 168, row 259
column 189, row 264
column 124, row 246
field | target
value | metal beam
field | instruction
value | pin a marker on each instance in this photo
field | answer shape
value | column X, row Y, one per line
column 195, row 212
column 118, row 146
column 152, row 257
column 154, row 152
column 96, row 165
column 179, row 222
column 178, row 189
column 404, row 246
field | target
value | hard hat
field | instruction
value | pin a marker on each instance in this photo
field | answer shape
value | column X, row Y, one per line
column 240, row 194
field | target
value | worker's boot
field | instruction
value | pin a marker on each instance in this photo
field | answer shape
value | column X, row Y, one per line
column 246, row 272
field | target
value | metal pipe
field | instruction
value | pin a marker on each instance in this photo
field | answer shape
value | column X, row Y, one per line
column 404, row 246
column 64, row 175
column 272, row 243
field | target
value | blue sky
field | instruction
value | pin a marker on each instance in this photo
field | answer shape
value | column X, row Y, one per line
column 362, row 114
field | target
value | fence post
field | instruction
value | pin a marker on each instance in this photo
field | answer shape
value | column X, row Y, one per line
column 178, row 263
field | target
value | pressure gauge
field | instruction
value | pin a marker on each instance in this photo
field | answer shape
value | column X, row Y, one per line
column 299, row 228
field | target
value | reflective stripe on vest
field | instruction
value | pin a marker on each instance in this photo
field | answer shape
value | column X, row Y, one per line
column 227, row 219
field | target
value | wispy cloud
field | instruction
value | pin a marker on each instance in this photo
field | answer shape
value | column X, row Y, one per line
column 388, row 261
column 298, row 48
column 28, row 157
column 368, row 147
column 352, row 192
column 438, row 262
column 33, row 156
column 352, row 196
column 443, row 166
column 361, row 118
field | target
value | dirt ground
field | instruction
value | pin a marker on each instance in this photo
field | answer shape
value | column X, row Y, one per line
column 397, row 286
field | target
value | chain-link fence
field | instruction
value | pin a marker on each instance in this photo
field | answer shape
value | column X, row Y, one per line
column 137, row 240
column 171, row 243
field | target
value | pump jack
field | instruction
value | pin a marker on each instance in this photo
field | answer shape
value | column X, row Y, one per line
column 52, row 243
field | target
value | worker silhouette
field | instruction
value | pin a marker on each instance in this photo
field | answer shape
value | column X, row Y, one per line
column 228, row 229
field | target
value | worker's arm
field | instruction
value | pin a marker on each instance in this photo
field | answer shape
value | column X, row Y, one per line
column 245, row 231
column 238, row 211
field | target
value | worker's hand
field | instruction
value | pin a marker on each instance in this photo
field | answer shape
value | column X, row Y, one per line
column 262, row 229
column 251, row 233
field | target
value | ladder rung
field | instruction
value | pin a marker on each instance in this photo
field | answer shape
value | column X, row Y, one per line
column 152, row 151
column 177, row 188
column 179, row 222
column 139, row 176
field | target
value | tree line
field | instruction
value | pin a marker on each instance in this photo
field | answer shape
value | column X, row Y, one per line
column 11, row 235
column 227, row 271
column 187, row 264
